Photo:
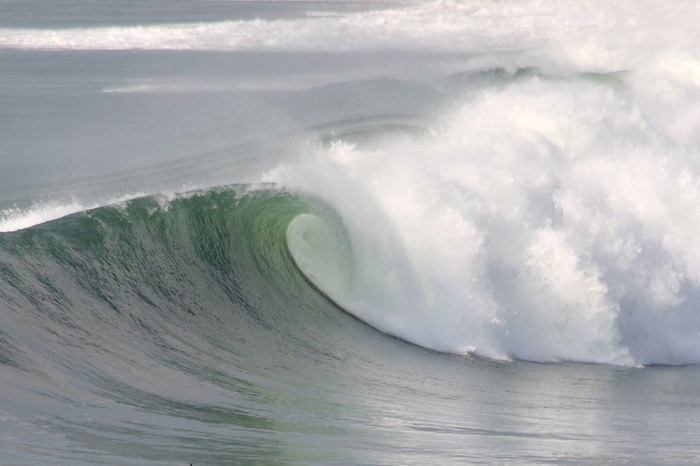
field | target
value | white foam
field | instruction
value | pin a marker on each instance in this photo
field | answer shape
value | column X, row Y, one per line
column 551, row 219
column 14, row 219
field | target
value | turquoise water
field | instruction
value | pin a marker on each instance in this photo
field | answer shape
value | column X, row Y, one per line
column 349, row 233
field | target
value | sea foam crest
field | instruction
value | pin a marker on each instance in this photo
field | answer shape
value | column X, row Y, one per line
column 15, row 218
column 551, row 219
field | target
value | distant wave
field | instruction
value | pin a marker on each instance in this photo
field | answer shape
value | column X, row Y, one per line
column 442, row 25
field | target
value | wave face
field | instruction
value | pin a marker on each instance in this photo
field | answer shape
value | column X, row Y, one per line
column 165, row 307
column 136, row 275
column 126, row 328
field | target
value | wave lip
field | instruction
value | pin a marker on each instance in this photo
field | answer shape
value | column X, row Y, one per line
column 13, row 219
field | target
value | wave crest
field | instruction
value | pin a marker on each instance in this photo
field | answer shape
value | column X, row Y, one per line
column 550, row 219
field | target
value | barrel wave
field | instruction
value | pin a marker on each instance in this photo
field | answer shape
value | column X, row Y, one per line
column 220, row 309
column 149, row 273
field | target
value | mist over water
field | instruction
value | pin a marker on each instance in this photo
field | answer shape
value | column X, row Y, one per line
column 208, row 209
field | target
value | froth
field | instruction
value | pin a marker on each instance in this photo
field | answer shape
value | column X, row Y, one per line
column 549, row 220
column 16, row 219
column 13, row 219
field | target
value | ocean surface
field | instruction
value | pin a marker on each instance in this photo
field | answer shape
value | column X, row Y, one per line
column 349, row 232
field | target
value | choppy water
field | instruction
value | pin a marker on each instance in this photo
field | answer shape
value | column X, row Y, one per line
column 349, row 232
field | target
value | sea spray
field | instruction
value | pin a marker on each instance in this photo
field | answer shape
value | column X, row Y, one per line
column 547, row 220
column 13, row 219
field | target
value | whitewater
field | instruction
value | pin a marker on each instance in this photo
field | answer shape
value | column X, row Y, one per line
column 301, row 232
